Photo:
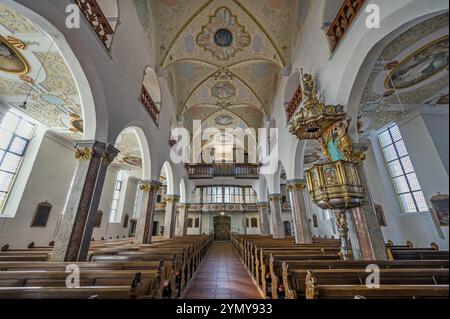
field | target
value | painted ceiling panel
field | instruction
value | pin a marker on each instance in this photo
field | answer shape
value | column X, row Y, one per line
column 412, row 71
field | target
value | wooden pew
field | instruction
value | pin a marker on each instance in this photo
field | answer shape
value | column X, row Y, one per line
column 297, row 282
column 314, row 290
column 122, row 292
column 150, row 280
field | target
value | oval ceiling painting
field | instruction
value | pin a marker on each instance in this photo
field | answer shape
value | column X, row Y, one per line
column 11, row 61
column 422, row 65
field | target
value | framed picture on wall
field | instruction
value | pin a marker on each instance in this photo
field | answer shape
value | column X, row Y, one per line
column 380, row 215
column 41, row 215
column 440, row 206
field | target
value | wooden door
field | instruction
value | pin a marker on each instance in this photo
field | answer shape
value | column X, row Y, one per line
column 222, row 228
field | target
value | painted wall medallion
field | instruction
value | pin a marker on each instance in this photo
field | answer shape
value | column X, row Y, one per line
column 422, row 65
column 11, row 61
column 133, row 161
column 223, row 36
column 223, row 90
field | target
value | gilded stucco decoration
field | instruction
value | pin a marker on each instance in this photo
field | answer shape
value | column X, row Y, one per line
column 223, row 36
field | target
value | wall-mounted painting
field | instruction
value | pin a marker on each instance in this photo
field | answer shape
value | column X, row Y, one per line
column 420, row 66
column 41, row 215
column 440, row 207
column 380, row 215
column 11, row 61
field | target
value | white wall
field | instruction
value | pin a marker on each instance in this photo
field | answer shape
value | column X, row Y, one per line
column 49, row 180
column 45, row 175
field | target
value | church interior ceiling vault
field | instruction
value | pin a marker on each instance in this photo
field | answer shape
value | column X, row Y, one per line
column 222, row 55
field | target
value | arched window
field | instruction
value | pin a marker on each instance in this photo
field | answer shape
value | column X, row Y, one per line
column 247, row 223
column 254, row 222
column 115, row 216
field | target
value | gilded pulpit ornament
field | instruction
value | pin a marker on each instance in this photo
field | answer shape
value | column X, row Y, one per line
column 314, row 117
column 336, row 184
column 223, row 36
column 84, row 153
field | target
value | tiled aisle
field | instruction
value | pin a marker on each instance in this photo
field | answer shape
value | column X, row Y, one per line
column 222, row 276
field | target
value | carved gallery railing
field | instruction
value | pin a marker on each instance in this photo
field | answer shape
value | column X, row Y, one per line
column 98, row 21
column 294, row 103
column 343, row 21
column 149, row 105
column 206, row 171
column 230, row 208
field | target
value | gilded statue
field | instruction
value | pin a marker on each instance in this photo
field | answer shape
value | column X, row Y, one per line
column 345, row 142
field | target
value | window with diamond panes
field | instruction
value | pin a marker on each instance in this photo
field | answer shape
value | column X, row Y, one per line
column 402, row 171
column 15, row 134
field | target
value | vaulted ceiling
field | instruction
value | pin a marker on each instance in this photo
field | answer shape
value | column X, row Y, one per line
column 222, row 55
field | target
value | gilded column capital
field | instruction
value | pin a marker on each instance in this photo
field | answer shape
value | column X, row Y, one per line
column 87, row 150
column 84, row 153
column 296, row 185
column 147, row 186
column 109, row 155
column 172, row 198
column 274, row 197
column 263, row 205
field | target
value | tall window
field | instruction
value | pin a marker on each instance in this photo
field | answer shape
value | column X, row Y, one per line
column 137, row 202
column 250, row 196
column 114, row 217
column 402, row 171
column 15, row 134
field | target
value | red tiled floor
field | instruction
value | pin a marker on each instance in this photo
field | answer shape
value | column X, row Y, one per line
column 222, row 276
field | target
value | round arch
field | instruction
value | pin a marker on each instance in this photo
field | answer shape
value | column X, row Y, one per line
column 167, row 168
column 151, row 83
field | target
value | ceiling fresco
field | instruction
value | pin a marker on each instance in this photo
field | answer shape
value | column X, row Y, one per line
column 222, row 54
column 412, row 69
column 30, row 64
column 33, row 70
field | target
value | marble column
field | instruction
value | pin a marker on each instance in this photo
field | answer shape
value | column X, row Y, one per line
column 302, row 230
column 171, row 215
column 365, row 220
column 144, row 228
column 264, row 224
column 277, row 221
column 75, row 232
column 182, row 220
column 200, row 223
